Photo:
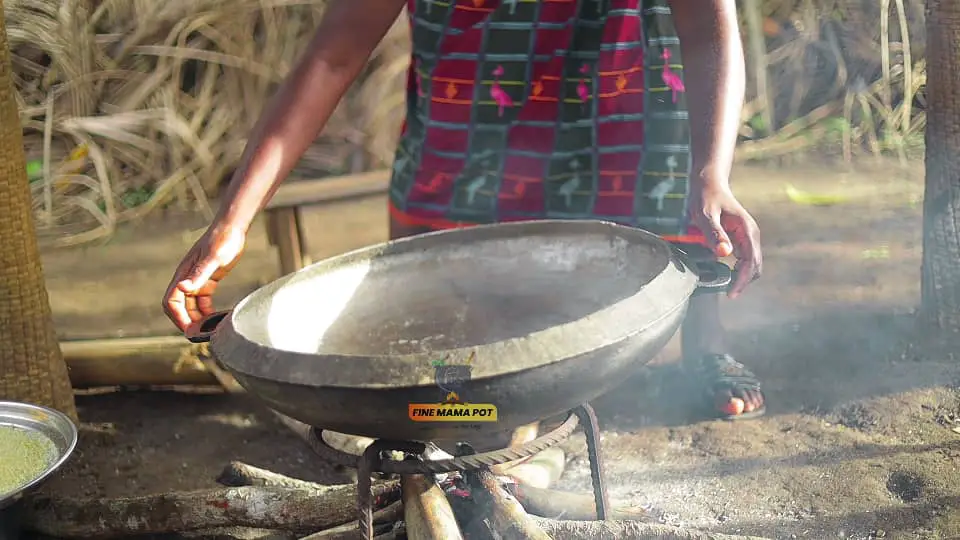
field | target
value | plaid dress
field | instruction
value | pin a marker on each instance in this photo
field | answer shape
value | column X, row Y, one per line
column 544, row 109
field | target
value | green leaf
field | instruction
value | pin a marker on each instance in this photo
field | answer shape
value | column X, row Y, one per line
column 35, row 169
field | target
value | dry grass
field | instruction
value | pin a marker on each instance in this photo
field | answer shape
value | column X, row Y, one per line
column 845, row 78
column 134, row 104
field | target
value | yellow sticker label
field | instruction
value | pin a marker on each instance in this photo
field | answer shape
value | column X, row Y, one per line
column 453, row 412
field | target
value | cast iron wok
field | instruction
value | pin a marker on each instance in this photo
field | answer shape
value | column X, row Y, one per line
column 549, row 314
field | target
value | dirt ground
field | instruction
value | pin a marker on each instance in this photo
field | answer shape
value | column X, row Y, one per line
column 859, row 441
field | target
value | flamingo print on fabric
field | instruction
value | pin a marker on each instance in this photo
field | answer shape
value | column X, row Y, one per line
column 671, row 79
column 662, row 189
column 570, row 186
column 473, row 187
column 498, row 94
column 582, row 91
column 524, row 109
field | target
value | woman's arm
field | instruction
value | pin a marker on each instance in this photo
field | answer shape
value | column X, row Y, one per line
column 347, row 35
column 715, row 78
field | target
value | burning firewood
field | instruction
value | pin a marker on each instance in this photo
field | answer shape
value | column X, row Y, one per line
column 539, row 471
column 273, row 502
column 426, row 512
column 548, row 503
column 256, row 507
column 521, row 436
column 505, row 515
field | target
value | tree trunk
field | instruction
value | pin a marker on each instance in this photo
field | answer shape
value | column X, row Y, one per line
column 31, row 366
column 940, row 302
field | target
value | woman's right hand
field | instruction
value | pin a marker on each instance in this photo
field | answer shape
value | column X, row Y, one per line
column 189, row 296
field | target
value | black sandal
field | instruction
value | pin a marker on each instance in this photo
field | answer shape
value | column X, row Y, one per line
column 720, row 373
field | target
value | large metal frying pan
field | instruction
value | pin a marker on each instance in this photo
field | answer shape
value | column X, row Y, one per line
column 547, row 314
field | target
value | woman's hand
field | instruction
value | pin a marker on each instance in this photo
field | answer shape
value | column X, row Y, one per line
column 729, row 228
column 189, row 296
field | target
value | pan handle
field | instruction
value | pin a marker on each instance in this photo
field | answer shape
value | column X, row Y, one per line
column 202, row 331
column 715, row 277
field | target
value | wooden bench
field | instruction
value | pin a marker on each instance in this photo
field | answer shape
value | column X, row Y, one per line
column 283, row 214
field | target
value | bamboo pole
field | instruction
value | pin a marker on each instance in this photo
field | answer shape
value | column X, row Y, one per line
column 149, row 361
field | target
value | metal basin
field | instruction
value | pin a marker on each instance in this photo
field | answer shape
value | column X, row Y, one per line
column 47, row 423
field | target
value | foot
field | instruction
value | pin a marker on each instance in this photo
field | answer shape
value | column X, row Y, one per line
column 731, row 390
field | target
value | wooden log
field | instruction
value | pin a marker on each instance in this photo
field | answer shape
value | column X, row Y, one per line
column 626, row 530
column 230, row 533
column 521, row 436
column 426, row 512
column 350, row 444
column 506, row 516
column 238, row 474
column 301, row 430
column 253, row 507
column 357, row 444
column 541, row 470
column 150, row 361
column 563, row 505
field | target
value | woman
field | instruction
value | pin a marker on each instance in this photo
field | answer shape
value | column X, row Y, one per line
column 530, row 109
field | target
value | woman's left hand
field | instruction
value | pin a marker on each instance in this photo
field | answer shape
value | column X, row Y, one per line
column 729, row 228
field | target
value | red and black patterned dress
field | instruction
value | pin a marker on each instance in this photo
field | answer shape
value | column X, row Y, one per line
column 544, row 109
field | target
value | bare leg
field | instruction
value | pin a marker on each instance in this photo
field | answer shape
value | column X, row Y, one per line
column 703, row 337
column 702, row 332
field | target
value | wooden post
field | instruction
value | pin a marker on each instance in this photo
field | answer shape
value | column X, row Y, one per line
column 283, row 229
column 757, row 46
column 283, row 212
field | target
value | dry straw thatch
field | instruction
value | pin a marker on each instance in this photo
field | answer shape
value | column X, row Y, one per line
column 131, row 105
column 134, row 104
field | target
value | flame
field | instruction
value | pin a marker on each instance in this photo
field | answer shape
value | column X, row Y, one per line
column 537, row 88
column 451, row 90
column 452, row 397
column 621, row 82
